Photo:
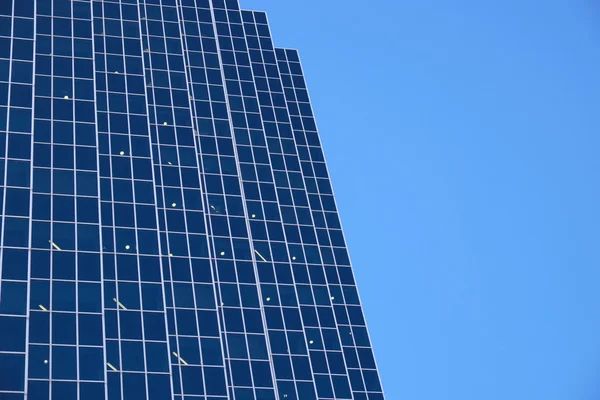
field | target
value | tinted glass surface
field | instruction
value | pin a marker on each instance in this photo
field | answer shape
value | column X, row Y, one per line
column 168, row 227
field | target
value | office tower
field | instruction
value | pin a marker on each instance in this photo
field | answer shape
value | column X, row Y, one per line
column 168, row 225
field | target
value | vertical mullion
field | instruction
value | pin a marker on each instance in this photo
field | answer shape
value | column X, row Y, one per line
column 147, row 70
column 28, row 309
column 154, row 106
column 99, row 194
column 75, row 219
column 104, row 93
column 135, row 219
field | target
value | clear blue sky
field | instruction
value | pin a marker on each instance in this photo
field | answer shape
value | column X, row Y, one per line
column 463, row 140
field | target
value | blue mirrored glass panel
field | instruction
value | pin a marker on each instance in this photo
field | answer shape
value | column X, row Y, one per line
column 168, row 228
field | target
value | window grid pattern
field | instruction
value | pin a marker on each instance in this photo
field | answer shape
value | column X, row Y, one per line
column 16, row 108
column 317, row 295
column 168, row 226
column 137, row 350
column 65, row 354
column 280, row 283
column 193, row 325
column 352, row 328
column 245, row 343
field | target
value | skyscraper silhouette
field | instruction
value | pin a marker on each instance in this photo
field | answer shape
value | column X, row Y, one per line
column 168, row 227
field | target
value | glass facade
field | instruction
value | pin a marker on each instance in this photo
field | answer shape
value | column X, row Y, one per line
column 168, row 227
